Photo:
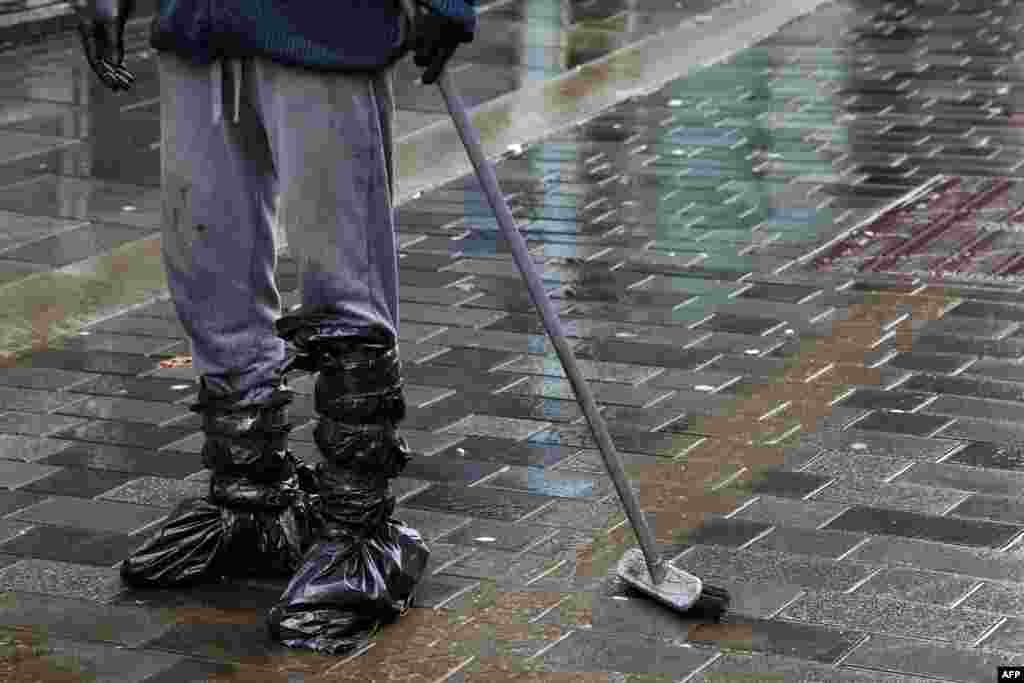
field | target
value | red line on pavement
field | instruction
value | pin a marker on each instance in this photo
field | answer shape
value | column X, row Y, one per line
column 937, row 227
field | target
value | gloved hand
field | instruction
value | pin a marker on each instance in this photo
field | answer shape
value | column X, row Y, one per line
column 436, row 38
column 101, row 27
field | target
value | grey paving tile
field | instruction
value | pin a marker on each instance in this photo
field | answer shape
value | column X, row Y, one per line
column 501, row 427
column 604, row 393
column 138, row 461
column 877, row 399
column 980, row 563
column 16, row 474
column 602, row 371
column 139, row 388
column 477, row 502
column 918, row 586
column 965, row 385
column 157, row 492
column 786, row 483
column 583, row 651
column 804, row 514
column 726, row 566
column 995, row 508
column 856, row 467
column 781, row 638
column 578, row 514
column 95, row 515
column 82, row 619
column 983, row 430
column 916, row 424
column 992, row 455
column 81, row 482
column 1008, row 637
column 89, row 342
column 724, row 531
column 651, row 443
column 34, row 400
column 61, row 579
column 124, row 434
column 874, row 492
column 797, row 541
column 878, row 613
column 129, row 410
column 992, row 482
column 860, row 442
column 49, row 379
column 997, row 598
column 967, row 532
column 773, row 668
column 935, row 660
column 547, row 482
column 35, row 424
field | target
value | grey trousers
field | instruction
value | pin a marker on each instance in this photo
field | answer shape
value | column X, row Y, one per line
column 312, row 150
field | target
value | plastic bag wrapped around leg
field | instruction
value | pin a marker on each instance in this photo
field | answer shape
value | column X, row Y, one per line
column 348, row 587
column 203, row 541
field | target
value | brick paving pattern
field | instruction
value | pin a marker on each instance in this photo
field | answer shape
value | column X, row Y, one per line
column 790, row 279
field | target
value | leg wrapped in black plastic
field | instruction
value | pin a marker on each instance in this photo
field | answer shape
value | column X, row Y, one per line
column 363, row 569
column 256, row 520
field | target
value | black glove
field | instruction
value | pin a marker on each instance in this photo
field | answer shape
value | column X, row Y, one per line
column 436, row 38
column 101, row 27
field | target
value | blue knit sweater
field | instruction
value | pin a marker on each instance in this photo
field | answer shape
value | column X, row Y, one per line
column 344, row 35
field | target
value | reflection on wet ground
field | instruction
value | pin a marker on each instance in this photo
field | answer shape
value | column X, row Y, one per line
column 790, row 279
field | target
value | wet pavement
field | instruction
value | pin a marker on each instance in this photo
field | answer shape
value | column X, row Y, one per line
column 791, row 278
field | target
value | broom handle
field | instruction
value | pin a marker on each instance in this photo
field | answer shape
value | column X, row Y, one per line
column 485, row 174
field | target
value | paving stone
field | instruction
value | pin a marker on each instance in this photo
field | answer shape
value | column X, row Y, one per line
column 136, row 461
column 1009, row 510
column 907, row 497
column 436, row 590
column 578, row 514
column 437, row 376
column 590, row 651
column 856, row 467
column 503, row 451
column 997, row 598
column 95, row 361
column 914, row 525
column 796, row 541
column 500, row 427
column 650, row 443
column 475, row 502
column 94, row 515
column 917, row 424
column 934, row 660
column 776, row 669
column 601, row 371
column 47, row 379
column 877, row 399
column 17, row 474
column 781, row 638
column 451, row 469
column 498, row 535
column 29, row 448
column 157, row 492
column 983, row 430
column 725, row 566
column 992, row 482
column 64, row 544
column 61, row 579
column 138, row 388
column 126, row 409
column 548, row 482
column 997, row 368
column 81, row 482
column 931, row 362
column 123, row 433
column 804, row 514
column 724, row 531
column 81, row 619
column 429, row 443
column 787, row 484
column 878, row 613
column 35, row 424
column 604, row 393
column 993, row 455
column 1008, row 637
column 981, row 563
column 918, row 586
column 861, row 442
column 966, row 385
column 34, row 400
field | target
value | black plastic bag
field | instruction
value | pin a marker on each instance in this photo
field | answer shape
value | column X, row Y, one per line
column 348, row 587
column 267, row 536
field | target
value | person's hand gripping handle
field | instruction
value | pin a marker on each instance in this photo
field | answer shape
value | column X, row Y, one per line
column 101, row 28
column 434, row 38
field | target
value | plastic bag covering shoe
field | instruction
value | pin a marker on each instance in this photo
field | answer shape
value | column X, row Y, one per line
column 363, row 569
column 256, row 519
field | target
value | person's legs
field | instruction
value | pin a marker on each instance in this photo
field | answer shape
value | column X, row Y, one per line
column 331, row 138
column 219, row 182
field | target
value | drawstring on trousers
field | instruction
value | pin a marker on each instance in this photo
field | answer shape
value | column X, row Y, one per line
column 217, row 78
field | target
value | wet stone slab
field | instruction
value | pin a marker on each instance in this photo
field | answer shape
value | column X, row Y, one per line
column 61, row 579
column 881, row 614
column 724, row 566
column 804, row 514
column 475, row 502
column 975, row 533
column 920, row 586
column 915, row 657
column 796, row 541
column 777, row 669
column 874, row 492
